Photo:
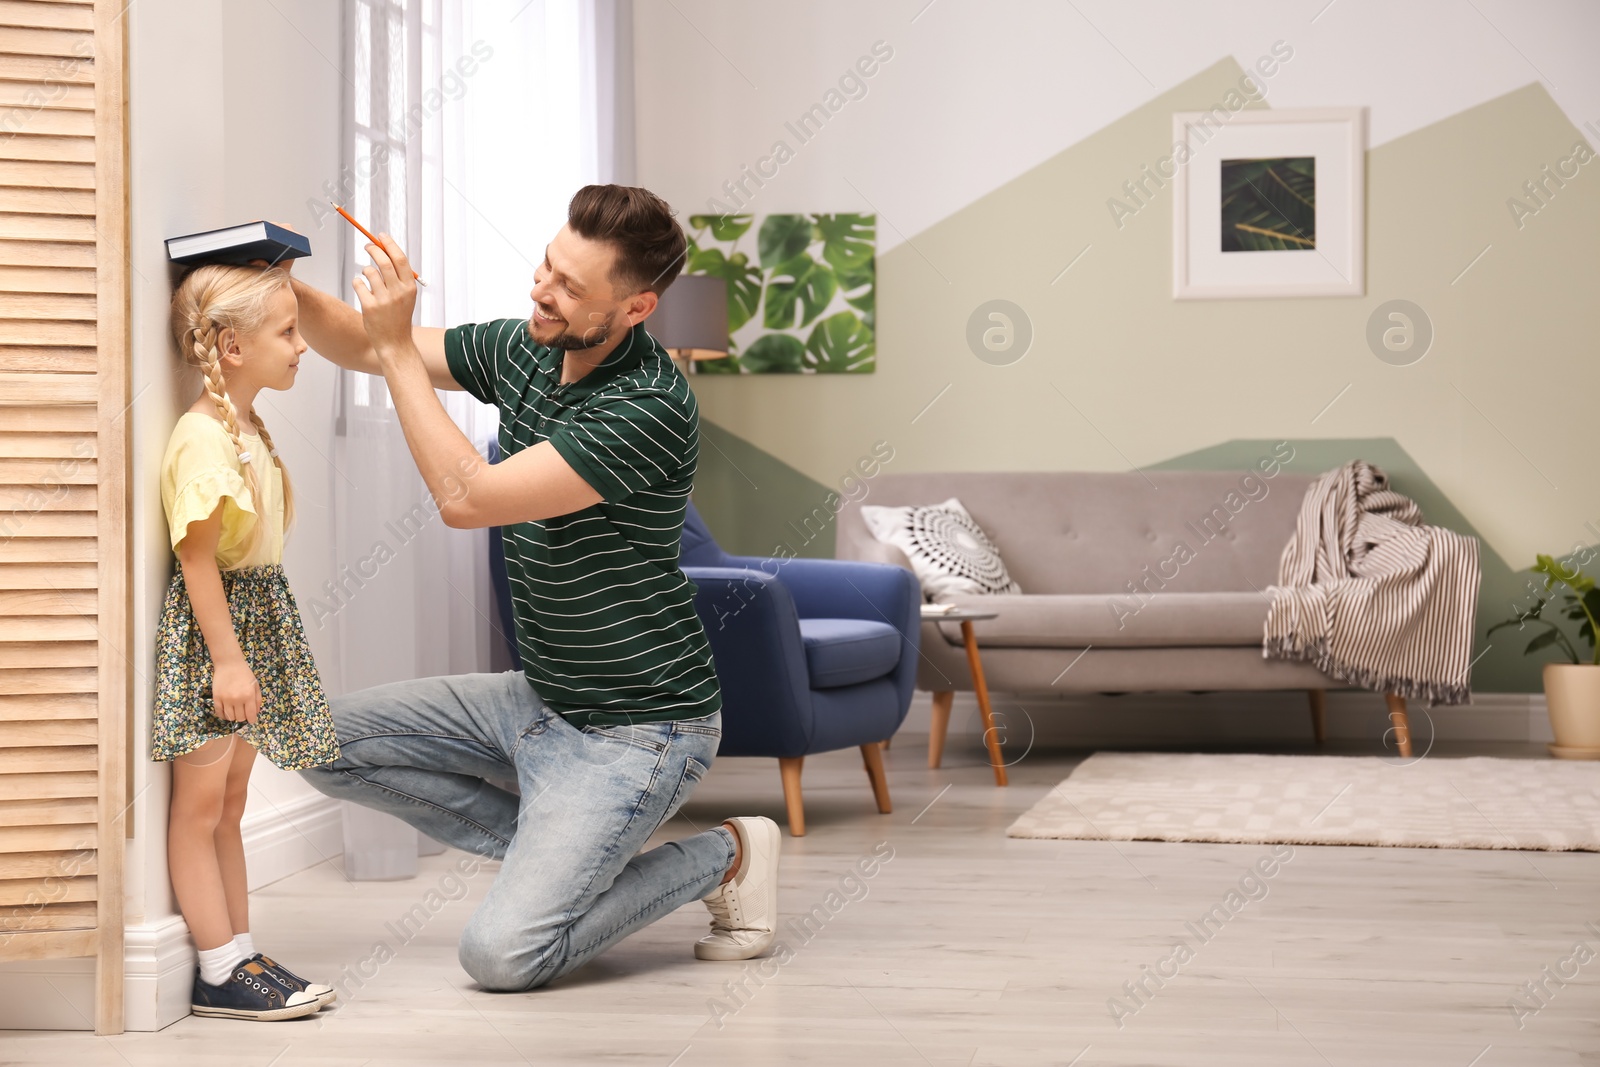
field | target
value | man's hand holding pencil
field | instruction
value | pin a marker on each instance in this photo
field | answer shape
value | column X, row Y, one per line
column 387, row 291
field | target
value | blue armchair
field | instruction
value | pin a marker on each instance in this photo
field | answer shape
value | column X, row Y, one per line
column 812, row 655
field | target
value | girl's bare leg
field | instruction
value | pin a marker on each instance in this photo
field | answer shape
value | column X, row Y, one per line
column 199, row 785
column 229, row 842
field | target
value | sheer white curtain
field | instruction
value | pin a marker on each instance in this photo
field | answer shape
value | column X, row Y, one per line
column 468, row 128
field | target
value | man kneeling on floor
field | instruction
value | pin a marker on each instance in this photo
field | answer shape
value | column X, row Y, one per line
column 616, row 715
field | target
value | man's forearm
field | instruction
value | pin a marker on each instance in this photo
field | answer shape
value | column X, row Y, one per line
column 334, row 329
column 444, row 456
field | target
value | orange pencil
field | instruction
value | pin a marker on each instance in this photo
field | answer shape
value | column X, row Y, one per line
column 371, row 238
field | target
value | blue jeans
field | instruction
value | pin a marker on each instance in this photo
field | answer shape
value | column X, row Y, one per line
column 573, row 880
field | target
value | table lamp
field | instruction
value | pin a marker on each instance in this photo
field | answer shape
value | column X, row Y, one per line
column 691, row 320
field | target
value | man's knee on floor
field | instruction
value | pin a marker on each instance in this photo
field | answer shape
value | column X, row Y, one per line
column 501, row 966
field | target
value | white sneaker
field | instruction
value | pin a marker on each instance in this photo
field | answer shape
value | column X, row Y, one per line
column 744, row 911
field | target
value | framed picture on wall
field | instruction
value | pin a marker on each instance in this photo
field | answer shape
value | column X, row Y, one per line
column 801, row 290
column 1269, row 203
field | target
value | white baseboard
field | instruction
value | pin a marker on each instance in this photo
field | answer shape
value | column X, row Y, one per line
column 1139, row 720
column 158, row 956
column 159, row 964
column 47, row 995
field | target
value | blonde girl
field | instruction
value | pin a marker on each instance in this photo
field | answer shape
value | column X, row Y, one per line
column 234, row 673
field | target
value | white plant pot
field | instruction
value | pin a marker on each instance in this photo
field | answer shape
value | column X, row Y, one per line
column 1572, row 694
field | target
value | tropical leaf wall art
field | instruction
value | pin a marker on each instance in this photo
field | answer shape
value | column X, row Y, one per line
column 801, row 291
column 1269, row 205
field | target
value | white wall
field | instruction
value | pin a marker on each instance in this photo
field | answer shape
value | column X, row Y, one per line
column 233, row 115
column 977, row 92
column 266, row 139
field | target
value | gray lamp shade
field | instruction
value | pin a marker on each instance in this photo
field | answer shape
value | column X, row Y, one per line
column 692, row 317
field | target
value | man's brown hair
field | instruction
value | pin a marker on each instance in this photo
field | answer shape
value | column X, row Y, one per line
column 639, row 226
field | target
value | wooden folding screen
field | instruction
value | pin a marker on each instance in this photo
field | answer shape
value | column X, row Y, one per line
column 65, row 637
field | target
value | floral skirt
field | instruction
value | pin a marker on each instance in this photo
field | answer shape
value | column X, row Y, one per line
column 295, row 728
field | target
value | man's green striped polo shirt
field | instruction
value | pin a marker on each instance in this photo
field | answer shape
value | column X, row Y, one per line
column 605, row 619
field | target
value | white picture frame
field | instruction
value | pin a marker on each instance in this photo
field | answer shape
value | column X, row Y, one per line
column 1334, row 265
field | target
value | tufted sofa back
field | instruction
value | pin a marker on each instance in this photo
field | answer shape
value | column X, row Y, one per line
column 1094, row 531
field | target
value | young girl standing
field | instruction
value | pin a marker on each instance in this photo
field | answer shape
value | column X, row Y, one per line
column 234, row 673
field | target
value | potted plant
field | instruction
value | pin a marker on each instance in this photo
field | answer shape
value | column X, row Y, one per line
column 1571, row 690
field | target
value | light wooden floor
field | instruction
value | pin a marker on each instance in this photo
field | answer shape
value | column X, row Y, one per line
column 966, row 948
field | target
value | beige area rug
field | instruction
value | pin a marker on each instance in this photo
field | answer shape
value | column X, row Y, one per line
column 1481, row 802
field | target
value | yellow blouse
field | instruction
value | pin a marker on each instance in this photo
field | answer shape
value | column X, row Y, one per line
column 200, row 468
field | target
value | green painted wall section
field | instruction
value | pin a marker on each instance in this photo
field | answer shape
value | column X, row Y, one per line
column 1120, row 374
column 754, row 502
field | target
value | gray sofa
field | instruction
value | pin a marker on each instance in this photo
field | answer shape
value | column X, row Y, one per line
column 1097, row 556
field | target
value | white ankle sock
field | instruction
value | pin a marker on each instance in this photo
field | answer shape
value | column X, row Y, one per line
column 217, row 963
column 247, row 945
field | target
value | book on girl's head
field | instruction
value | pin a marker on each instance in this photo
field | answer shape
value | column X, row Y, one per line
column 239, row 244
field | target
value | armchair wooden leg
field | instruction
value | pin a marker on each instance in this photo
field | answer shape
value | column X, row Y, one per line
column 790, row 770
column 1319, row 728
column 872, row 756
column 939, row 727
column 1398, row 721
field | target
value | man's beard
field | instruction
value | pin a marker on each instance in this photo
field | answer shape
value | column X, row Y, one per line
column 592, row 337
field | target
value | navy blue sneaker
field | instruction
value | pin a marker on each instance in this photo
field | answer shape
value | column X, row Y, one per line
column 323, row 992
column 251, row 992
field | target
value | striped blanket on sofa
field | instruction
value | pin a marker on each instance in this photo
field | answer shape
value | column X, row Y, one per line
column 1371, row 596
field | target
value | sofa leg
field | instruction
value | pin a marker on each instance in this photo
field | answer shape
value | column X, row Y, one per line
column 872, row 756
column 1319, row 727
column 1399, row 723
column 939, row 727
column 790, row 770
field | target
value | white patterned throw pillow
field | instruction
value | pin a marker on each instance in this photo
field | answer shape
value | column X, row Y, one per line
column 949, row 552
